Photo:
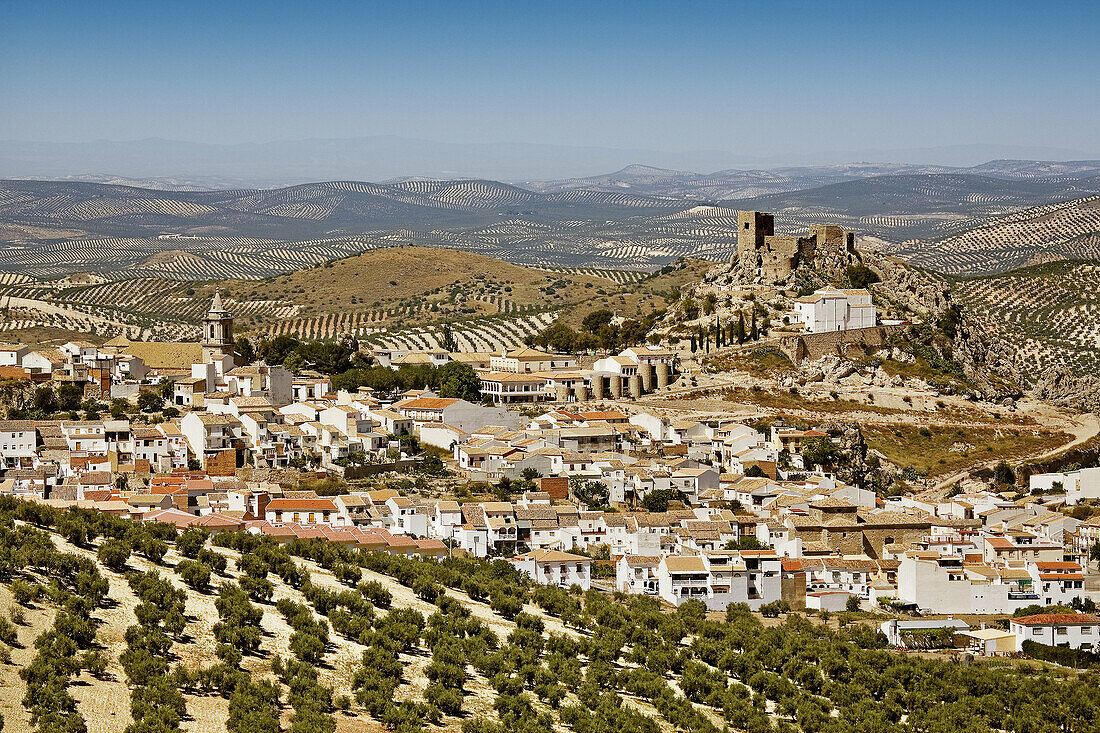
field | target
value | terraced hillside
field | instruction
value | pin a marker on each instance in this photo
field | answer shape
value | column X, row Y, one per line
column 396, row 296
column 1060, row 231
column 1048, row 315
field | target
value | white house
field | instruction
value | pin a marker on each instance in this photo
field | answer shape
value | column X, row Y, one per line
column 44, row 361
column 832, row 309
column 721, row 577
column 528, row 360
column 553, row 567
column 896, row 630
column 216, row 440
column 1078, row 485
column 309, row 388
column 1075, row 630
column 12, row 354
column 393, row 422
column 407, row 518
column 622, row 366
column 304, row 511
column 637, row 574
column 650, row 355
column 947, row 584
column 454, row 412
column 18, row 444
column 274, row 383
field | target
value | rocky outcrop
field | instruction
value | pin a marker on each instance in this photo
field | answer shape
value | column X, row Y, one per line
column 916, row 290
column 1060, row 386
column 859, row 465
column 985, row 361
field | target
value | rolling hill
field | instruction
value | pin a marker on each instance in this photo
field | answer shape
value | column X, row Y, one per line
column 296, row 212
column 1045, row 315
column 925, row 206
column 396, row 296
column 1066, row 230
column 633, row 220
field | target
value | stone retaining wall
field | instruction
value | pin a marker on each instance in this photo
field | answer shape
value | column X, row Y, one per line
column 813, row 346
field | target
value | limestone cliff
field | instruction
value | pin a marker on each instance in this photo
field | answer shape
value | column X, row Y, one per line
column 1060, row 386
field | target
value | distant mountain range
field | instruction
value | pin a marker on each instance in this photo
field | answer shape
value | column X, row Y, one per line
column 619, row 221
column 895, row 207
column 158, row 163
column 747, row 184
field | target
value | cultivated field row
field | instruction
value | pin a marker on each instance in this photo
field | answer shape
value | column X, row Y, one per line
column 1048, row 315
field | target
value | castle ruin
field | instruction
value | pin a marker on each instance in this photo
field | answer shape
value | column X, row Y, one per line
column 769, row 257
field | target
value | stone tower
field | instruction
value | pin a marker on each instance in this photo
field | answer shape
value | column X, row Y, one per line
column 217, row 331
column 752, row 227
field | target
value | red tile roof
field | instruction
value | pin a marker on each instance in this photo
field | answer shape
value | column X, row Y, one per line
column 1061, row 576
column 216, row 520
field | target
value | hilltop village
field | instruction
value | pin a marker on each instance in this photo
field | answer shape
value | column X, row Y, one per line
column 570, row 467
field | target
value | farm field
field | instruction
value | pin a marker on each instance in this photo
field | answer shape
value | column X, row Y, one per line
column 1067, row 230
column 1046, row 314
column 344, row 640
column 394, row 296
column 57, row 228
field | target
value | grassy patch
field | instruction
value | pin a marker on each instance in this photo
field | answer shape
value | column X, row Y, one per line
column 761, row 362
column 929, row 448
column 787, row 400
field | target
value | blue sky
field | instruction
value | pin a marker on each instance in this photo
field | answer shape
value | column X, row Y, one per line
column 756, row 77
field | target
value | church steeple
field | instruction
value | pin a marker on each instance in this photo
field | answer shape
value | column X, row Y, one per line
column 217, row 331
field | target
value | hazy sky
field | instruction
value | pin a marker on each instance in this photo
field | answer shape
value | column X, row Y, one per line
column 756, row 77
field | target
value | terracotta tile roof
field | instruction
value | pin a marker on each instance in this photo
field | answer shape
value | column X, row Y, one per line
column 216, row 520
column 428, row 403
column 685, row 564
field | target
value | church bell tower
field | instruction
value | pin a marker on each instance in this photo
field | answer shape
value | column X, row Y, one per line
column 217, row 331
